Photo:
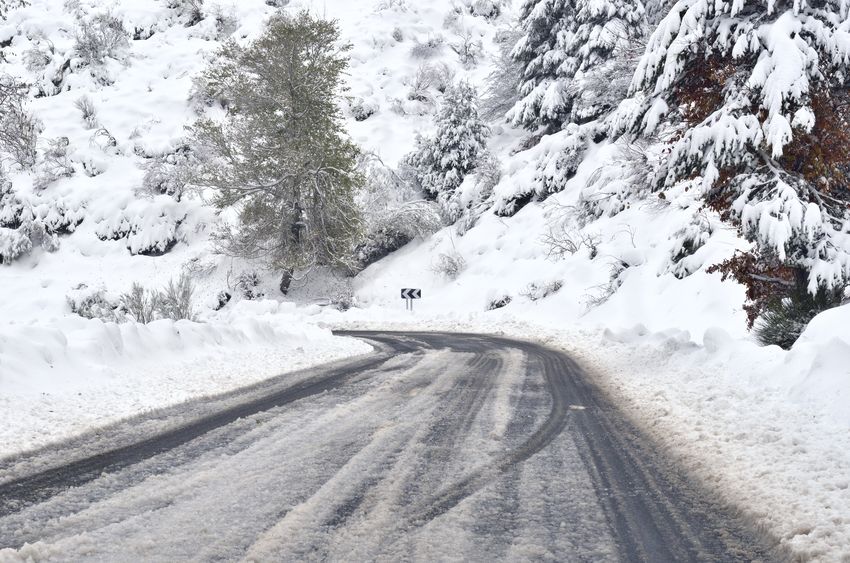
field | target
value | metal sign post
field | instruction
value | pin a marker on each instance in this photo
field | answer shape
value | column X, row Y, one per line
column 409, row 294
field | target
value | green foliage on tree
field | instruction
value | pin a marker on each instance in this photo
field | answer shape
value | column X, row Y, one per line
column 280, row 155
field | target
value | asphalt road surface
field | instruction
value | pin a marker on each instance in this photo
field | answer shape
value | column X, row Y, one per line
column 436, row 447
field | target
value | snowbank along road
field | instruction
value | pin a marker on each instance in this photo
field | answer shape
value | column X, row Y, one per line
column 436, row 446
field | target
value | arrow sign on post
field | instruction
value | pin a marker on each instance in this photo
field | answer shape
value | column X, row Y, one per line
column 410, row 294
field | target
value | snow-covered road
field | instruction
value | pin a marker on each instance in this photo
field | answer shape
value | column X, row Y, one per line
column 435, row 447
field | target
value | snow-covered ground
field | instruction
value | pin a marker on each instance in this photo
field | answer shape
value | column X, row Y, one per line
column 79, row 374
column 766, row 429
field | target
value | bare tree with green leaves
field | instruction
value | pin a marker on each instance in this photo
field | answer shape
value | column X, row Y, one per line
column 280, row 156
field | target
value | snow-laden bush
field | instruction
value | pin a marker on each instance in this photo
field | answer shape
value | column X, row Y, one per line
column 149, row 229
column 100, row 37
column 28, row 223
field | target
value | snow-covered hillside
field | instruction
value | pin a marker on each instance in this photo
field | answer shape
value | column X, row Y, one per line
column 760, row 425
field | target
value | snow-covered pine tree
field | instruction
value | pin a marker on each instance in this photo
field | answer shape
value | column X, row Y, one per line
column 562, row 40
column 755, row 92
column 441, row 162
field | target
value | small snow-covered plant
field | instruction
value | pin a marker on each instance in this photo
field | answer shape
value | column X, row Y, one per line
column 469, row 48
column 428, row 49
column 91, row 303
column 449, row 264
column 536, row 291
column 499, row 302
column 398, row 35
column 37, row 57
column 19, row 130
column 87, row 110
column 191, row 11
column 100, row 37
column 55, row 164
column 169, row 174
column 140, row 304
column 430, row 77
column 361, row 110
column 248, row 283
column 398, row 5
column 176, row 300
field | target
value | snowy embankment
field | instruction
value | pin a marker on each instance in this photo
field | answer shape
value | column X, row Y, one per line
column 80, row 374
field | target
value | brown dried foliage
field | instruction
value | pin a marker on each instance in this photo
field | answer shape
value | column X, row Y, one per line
column 822, row 157
column 766, row 280
column 701, row 90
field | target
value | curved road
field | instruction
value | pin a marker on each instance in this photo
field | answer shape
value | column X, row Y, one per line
column 435, row 447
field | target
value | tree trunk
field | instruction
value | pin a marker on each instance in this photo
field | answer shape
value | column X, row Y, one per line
column 285, row 281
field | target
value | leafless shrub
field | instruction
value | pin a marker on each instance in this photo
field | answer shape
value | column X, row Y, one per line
column 140, row 304
column 176, row 300
column 449, row 264
column 430, row 77
column 88, row 111
column 600, row 294
column 100, row 37
column 561, row 242
column 19, row 130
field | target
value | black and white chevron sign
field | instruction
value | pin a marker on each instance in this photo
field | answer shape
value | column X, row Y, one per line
column 408, row 293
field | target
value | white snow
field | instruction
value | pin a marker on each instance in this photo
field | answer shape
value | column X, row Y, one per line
column 766, row 430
